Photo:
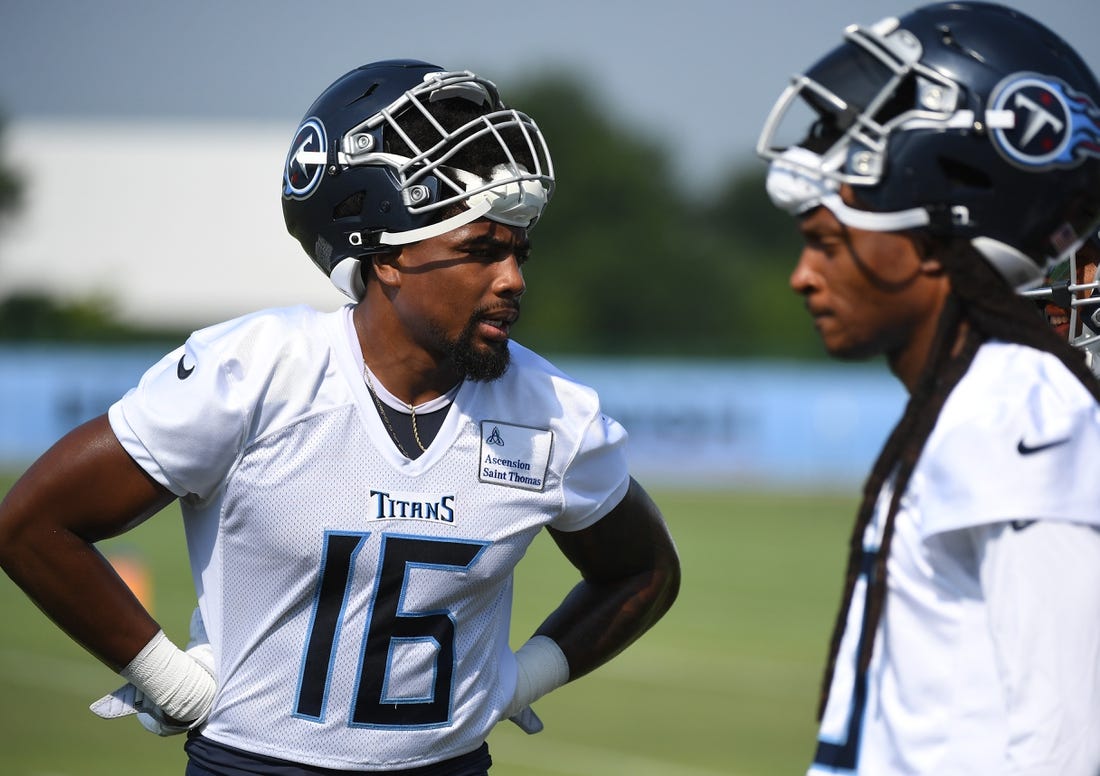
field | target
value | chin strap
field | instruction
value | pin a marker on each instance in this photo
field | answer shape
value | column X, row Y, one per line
column 476, row 211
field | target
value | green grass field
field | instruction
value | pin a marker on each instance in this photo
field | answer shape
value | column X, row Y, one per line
column 725, row 685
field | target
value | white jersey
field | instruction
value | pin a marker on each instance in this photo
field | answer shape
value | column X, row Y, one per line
column 987, row 657
column 358, row 602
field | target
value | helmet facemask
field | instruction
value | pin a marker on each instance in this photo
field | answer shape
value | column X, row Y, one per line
column 522, row 180
column 1071, row 288
column 857, row 97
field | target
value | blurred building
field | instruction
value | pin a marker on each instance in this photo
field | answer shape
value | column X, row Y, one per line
column 179, row 224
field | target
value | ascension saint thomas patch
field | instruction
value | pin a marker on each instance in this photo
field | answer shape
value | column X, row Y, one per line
column 515, row 456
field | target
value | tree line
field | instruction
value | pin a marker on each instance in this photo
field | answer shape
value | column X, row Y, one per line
column 625, row 263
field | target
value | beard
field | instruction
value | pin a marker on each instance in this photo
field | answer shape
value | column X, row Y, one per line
column 483, row 363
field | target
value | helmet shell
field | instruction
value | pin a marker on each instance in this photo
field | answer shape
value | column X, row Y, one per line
column 312, row 193
column 1014, row 189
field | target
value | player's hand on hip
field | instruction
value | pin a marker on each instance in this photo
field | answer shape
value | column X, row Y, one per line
column 540, row 668
column 186, row 681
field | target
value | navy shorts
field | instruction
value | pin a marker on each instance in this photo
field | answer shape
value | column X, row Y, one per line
column 208, row 758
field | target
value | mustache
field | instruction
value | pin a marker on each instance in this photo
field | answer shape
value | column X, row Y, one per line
column 510, row 310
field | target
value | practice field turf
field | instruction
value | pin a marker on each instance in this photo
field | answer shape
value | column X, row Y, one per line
column 725, row 685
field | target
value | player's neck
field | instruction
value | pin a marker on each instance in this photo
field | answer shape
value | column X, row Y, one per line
column 909, row 361
column 407, row 371
column 408, row 381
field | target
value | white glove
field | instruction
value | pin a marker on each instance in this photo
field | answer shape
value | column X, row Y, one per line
column 540, row 668
column 527, row 720
column 128, row 699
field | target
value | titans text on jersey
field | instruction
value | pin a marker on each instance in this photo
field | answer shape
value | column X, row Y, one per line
column 389, row 506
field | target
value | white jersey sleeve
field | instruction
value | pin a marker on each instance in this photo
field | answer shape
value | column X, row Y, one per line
column 1041, row 583
column 599, row 460
column 188, row 418
column 1018, row 439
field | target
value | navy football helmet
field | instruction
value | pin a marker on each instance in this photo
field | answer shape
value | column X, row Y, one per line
column 967, row 119
column 377, row 161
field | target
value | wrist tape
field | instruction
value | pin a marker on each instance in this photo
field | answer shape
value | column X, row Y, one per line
column 173, row 680
column 540, row 667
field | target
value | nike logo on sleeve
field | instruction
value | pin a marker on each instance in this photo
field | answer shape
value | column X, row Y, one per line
column 182, row 372
column 1025, row 449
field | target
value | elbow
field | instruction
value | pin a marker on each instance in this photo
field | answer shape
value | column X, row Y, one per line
column 10, row 537
column 668, row 583
column 661, row 586
column 16, row 553
column 25, row 534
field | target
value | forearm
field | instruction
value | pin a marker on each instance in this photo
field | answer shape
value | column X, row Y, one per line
column 594, row 623
column 86, row 599
column 630, row 577
column 84, row 489
column 598, row 620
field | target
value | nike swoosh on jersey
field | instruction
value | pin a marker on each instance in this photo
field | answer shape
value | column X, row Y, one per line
column 1025, row 449
column 182, row 372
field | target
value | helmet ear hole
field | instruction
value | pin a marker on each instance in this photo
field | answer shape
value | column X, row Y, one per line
column 350, row 207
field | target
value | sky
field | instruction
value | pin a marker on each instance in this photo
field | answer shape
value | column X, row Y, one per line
column 152, row 133
column 702, row 73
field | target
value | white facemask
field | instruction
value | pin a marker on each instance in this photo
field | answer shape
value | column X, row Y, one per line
column 514, row 201
column 797, row 185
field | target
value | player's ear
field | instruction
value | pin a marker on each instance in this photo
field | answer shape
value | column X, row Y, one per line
column 931, row 266
column 385, row 267
column 928, row 252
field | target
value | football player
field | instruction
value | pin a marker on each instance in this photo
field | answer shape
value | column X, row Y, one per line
column 1071, row 299
column 935, row 164
column 357, row 486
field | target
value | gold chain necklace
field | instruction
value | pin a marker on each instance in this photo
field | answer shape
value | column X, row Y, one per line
column 386, row 417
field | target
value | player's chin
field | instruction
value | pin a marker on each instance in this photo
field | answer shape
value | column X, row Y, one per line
column 845, row 349
column 482, row 361
column 494, row 353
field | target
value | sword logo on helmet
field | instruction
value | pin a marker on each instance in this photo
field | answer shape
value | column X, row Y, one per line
column 1055, row 126
column 304, row 163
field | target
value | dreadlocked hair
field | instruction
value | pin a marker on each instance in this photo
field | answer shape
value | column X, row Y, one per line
column 980, row 307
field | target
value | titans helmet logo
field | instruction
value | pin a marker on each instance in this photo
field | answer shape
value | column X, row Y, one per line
column 1055, row 126
column 304, row 162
